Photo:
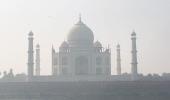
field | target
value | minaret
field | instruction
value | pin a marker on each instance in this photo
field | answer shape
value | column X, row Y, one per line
column 37, row 70
column 118, row 60
column 30, row 55
column 53, row 62
column 134, row 62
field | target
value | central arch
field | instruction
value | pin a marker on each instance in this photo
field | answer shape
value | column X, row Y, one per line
column 81, row 65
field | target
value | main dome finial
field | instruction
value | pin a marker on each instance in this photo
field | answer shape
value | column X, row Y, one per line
column 80, row 34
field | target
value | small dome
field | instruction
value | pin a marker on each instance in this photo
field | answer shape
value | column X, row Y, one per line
column 133, row 33
column 80, row 34
column 31, row 33
column 64, row 45
column 97, row 44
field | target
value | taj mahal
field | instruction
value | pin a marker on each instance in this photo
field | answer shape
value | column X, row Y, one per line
column 81, row 70
column 80, row 58
column 80, row 55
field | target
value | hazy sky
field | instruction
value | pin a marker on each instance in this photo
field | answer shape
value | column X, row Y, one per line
column 112, row 22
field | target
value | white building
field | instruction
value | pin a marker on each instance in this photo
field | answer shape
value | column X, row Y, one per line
column 80, row 55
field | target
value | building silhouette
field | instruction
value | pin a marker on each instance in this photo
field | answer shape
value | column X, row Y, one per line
column 80, row 55
column 80, row 58
column 37, row 61
column 118, row 60
column 30, row 55
column 134, row 69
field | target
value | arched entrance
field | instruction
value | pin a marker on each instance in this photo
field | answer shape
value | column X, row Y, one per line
column 81, row 65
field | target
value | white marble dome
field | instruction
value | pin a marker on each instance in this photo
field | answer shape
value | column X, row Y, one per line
column 79, row 34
